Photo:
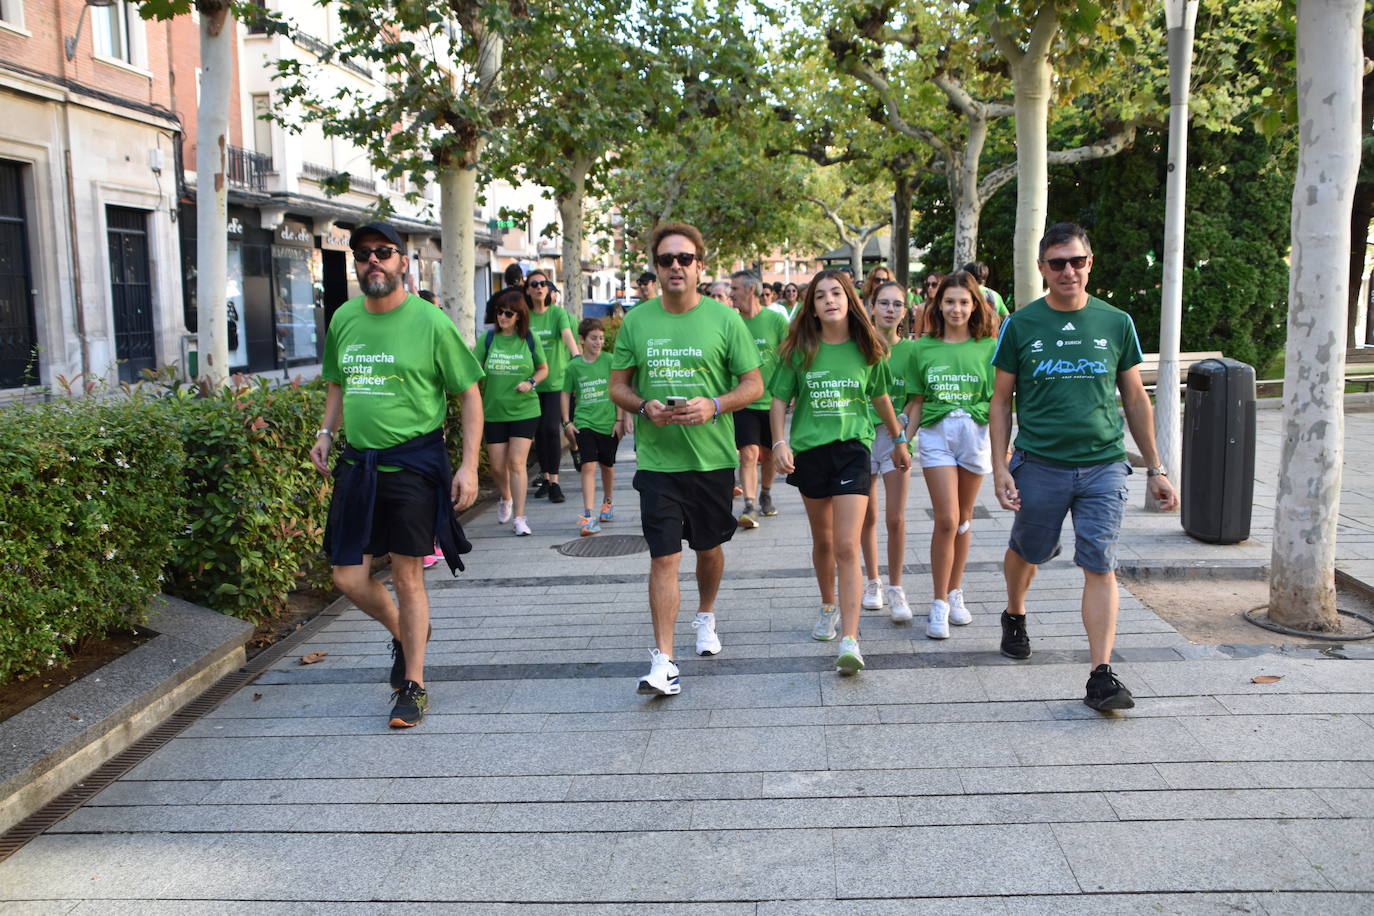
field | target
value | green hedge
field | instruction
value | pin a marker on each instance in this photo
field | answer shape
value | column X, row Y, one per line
column 92, row 500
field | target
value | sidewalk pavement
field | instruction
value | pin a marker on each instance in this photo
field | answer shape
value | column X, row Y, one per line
column 942, row 779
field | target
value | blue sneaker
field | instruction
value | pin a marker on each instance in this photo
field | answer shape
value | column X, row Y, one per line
column 587, row 525
column 607, row 512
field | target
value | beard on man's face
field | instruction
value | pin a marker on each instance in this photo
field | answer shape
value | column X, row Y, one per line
column 377, row 282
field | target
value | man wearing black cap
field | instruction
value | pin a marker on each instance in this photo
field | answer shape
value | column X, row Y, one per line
column 390, row 360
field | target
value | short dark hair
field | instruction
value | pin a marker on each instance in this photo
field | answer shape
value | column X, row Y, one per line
column 647, row 277
column 513, row 275
column 689, row 232
column 587, row 325
column 979, row 269
column 1062, row 234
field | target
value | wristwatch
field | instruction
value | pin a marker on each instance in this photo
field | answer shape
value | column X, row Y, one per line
column 900, row 438
column 326, row 431
column 1156, row 471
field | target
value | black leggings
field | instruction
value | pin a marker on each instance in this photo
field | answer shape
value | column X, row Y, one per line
column 548, row 447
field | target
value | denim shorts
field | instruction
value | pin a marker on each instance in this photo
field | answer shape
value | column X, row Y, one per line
column 1096, row 495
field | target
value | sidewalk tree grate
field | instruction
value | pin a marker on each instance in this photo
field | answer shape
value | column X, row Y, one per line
column 609, row 545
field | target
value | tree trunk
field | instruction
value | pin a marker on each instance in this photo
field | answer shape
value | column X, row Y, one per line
column 1302, row 587
column 857, row 244
column 1030, row 78
column 457, row 291
column 968, row 202
column 901, row 228
column 570, row 215
column 966, row 215
column 212, row 194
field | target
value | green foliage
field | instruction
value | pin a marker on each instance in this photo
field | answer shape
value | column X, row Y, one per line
column 92, row 501
column 256, row 504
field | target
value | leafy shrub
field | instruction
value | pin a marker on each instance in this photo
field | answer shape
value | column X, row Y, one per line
column 92, row 494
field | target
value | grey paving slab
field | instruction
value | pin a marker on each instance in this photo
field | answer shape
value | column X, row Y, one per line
column 879, row 863
column 839, row 783
column 664, row 786
column 945, row 906
column 1210, row 775
column 737, row 749
column 1334, row 737
column 444, row 908
column 112, row 866
column 1043, row 808
column 1220, row 804
column 904, row 686
column 572, row 753
column 1133, row 904
column 1341, row 850
column 1348, row 802
column 1107, row 739
column 1003, row 711
column 224, row 758
column 1063, row 778
column 1316, row 904
column 880, row 747
column 598, row 816
column 1158, row 856
column 753, row 814
column 299, row 726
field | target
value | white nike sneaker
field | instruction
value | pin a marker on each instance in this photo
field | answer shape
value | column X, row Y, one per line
column 897, row 603
column 958, row 614
column 873, row 594
column 662, row 679
column 708, row 643
column 824, row 630
column 937, row 627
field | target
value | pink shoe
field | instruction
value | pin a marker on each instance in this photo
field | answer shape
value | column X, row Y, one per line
column 433, row 558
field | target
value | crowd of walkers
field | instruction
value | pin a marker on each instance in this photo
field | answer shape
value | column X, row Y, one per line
column 726, row 386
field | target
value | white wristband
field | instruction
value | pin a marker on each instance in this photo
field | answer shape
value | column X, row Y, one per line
column 779, row 442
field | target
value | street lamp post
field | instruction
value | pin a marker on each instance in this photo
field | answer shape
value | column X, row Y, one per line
column 1180, row 15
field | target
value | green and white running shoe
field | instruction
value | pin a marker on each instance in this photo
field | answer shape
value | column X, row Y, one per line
column 850, row 661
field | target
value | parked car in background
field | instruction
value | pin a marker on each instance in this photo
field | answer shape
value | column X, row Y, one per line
column 597, row 308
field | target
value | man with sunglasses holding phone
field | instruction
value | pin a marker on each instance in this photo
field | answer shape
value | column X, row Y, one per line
column 1063, row 358
column 390, row 360
column 682, row 364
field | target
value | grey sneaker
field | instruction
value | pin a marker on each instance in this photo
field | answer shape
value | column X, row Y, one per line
column 850, row 661
column 897, row 604
column 766, row 507
column 824, row 630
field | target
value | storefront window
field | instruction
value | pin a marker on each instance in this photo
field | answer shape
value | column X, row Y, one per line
column 234, row 307
column 298, row 337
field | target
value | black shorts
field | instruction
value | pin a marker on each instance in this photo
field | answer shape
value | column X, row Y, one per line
column 498, row 431
column 598, row 447
column 751, row 428
column 402, row 515
column 685, row 505
column 833, row 469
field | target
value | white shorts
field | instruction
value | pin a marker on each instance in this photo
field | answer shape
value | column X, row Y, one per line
column 881, row 460
column 956, row 440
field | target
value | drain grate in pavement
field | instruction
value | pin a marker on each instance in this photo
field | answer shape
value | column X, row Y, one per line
column 607, row 545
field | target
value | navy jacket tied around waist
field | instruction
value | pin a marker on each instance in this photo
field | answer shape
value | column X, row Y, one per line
column 355, row 491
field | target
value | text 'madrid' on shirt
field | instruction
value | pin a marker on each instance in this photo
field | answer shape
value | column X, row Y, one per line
column 1066, row 366
column 833, row 395
column 952, row 376
column 507, row 365
column 396, row 369
column 591, row 383
column 698, row 353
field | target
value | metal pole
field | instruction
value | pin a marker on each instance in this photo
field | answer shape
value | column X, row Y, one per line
column 1168, row 420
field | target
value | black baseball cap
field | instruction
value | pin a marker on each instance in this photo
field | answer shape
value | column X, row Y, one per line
column 385, row 230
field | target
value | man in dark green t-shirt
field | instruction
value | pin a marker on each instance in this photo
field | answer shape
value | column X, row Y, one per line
column 682, row 364
column 1063, row 358
column 390, row 360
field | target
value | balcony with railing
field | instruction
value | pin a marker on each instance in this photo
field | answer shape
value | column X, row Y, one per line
column 322, row 173
column 248, row 170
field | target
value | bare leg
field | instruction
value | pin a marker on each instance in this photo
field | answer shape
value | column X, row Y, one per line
column 749, row 472
column 1018, row 574
column 868, row 538
column 665, row 597
column 969, row 483
column 769, row 473
column 589, row 485
column 607, row 482
column 496, row 454
column 368, row 594
column 822, row 546
column 408, row 575
column 710, row 567
column 943, row 484
column 847, row 518
column 1100, row 601
column 517, row 453
column 894, row 488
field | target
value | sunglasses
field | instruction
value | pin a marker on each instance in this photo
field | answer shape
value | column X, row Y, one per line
column 683, row 258
column 383, row 253
column 932, row 284
column 506, row 313
column 1077, row 262
column 537, row 284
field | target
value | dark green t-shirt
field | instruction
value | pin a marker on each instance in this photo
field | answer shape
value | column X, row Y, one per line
column 833, row 395
column 768, row 328
column 507, row 365
column 396, row 369
column 1066, row 365
column 952, row 376
column 548, row 329
column 591, row 383
column 699, row 353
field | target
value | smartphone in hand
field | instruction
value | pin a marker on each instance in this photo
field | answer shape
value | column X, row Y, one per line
column 673, row 401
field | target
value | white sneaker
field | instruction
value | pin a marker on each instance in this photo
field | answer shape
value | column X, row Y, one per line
column 503, row 510
column 824, row 630
column 708, row 643
column 896, row 600
column 850, row 661
column 873, row 595
column 958, row 614
column 938, row 625
column 662, row 678
column 521, row 526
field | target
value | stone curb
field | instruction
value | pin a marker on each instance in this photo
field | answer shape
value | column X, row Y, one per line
column 55, row 743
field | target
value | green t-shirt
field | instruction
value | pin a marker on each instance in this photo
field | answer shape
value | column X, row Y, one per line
column 548, row 330
column 952, row 376
column 833, row 395
column 768, row 328
column 699, row 353
column 396, row 370
column 591, row 383
column 898, row 358
column 1066, row 365
column 508, row 364
column 995, row 300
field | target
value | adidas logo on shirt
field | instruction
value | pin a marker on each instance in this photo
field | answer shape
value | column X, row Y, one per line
column 1068, row 327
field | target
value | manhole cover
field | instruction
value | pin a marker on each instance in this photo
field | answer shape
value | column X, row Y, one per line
column 604, row 545
column 978, row 512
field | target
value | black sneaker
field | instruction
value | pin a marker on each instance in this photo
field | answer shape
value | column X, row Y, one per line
column 1105, row 691
column 556, row 493
column 398, row 660
column 1015, row 642
column 541, row 487
column 411, row 703
column 766, row 507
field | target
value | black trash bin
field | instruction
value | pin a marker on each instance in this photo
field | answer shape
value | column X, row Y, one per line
column 1218, row 477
